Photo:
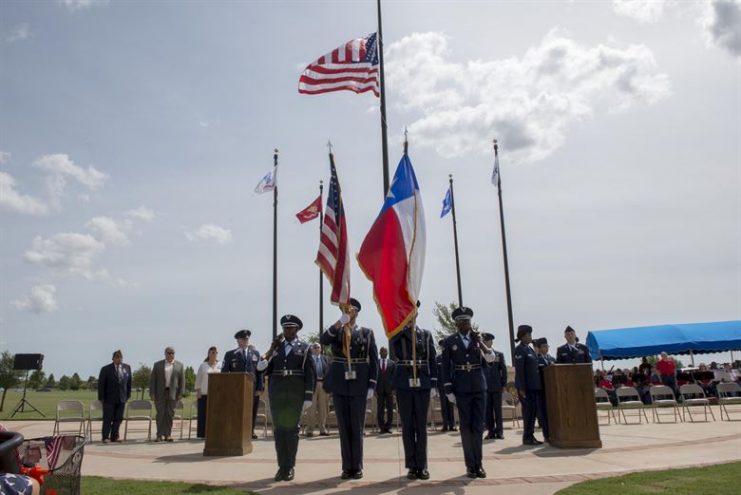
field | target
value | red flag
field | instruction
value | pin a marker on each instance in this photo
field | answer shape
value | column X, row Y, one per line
column 333, row 256
column 310, row 212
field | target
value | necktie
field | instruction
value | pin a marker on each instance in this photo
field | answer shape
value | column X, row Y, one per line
column 318, row 366
column 465, row 340
column 383, row 366
column 288, row 348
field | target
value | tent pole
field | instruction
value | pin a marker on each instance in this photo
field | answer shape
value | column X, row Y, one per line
column 692, row 358
column 602, row 361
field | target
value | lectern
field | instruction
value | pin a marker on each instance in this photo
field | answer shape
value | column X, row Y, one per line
column 229, row 414
column 572, row 410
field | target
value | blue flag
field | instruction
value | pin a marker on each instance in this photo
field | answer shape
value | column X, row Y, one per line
column 447, row 204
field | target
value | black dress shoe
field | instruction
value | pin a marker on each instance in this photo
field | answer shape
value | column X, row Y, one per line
column 480, row 473
column 279, row 476
column 532, row 441
column 453, row 428
column 324, row 434
column 444, row 429
column 499, row 436
column 490, row 436
column 471, row 473
column 412, row 474
column 289, row 474
column 357, row 474
column 254, row 437
column 346, row 475
column 423, row 474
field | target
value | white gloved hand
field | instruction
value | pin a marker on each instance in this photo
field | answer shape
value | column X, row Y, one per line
column 451, row 398
column 370, row 394
column 306, row 405
column 262, row 365
column 344, row 319
column 433, row 393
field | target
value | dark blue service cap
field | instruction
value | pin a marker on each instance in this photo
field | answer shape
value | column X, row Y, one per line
column 291, row 321
column 487, row 336
column 243, row 334
column 355, row 304
column 569, row 329
column 462, row 313
column 541, row 341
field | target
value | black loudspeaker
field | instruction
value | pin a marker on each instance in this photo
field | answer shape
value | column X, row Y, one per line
column 26, row 362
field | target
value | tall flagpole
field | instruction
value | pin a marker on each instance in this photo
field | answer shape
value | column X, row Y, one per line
column 275, row 246
column 455, row 240
column 321, row 278
column 504, row 251
column 384, row 139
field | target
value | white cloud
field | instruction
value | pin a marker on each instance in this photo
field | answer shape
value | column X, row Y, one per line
column 40, row 299
column 81, row 4
column 210, row 232
column 59, row 168
column 648, row 11
column 108, row 231
column 18, row 33
column 12, row 200
column 141, row 213
column 70, row 253
column 528, row 103
column 722, row 23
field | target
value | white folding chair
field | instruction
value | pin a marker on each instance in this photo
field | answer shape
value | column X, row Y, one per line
column 694, row 396
column 138, row 410
column 729, row 394
column 179, row 417
column 69, row 411
column 629, row 400
column 663, row 397
column 509, row 405
column 192, row 415
column 602, row 400
column 262, row 414
column 94, row 413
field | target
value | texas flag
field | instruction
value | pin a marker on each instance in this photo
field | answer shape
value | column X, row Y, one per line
column 392, row 255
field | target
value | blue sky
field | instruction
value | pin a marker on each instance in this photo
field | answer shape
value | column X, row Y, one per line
column 132, row 135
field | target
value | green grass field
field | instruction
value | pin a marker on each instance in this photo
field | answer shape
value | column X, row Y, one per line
column 94, row 484
column 711, row 480
column 46, row 402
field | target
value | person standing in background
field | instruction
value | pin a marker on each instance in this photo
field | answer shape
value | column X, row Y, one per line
column 114, row 389
column 496, row 380
column 319, row 410
column 385, row 392
column 244, row 359
column 209, row 365
column 166, row 388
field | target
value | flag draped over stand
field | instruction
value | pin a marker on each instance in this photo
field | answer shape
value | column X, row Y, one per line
column 393, row 252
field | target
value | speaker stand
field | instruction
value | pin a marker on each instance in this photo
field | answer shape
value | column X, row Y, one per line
column 21, row 406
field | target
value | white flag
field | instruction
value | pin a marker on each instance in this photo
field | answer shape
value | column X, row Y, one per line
column 267, row 183
column 495, row 173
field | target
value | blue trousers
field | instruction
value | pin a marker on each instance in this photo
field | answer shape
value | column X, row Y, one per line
column 413, row 407
column 532, row 407
column 350, row 412
column 471, row 414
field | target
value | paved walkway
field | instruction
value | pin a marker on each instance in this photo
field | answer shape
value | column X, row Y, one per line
column 512, row 468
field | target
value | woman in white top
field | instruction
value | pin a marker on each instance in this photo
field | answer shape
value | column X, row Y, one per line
column 210, row 365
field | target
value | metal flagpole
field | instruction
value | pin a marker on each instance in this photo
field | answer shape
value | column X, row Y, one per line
column 275, row 246
column 321, row 278
column 504, row 251
column 384, row 139
column 455, row 240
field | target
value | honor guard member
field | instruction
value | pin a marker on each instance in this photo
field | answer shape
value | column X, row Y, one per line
column 572, row 352
column 351, row 380
column 290, row 389
column 464, row 356
column 527, row 383
column 496, row 380
column 244, row 359
column 544, row 360
column 415, row 379
column 446, row 407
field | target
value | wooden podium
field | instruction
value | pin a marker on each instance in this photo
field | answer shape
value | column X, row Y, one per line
column 229, row 414
column 572, row 411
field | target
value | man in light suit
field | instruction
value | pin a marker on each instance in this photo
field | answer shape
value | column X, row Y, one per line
column 385, row 392
column 166, row 388
column 244, row 359
column 114, row 389
column 319, row 409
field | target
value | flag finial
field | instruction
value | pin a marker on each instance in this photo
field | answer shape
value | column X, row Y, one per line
column 406, row 141
column 496, row 146
column 275, row 156
column 329, row 146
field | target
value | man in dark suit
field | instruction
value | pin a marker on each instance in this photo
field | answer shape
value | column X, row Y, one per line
column 114, row 389
column 572, row 352
column 385, row 392
column 291, row 385
column 496, row 380
column 446, row 407
column 464, row 355
column 351, row 381
column 528, row 384
column 244, row 359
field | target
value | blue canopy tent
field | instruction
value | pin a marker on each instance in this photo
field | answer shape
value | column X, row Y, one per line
column 689, row 338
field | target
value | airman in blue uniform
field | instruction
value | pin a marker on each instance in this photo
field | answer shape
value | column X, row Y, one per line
column 446, row 407
column 464, row 355
column 290, row 388
column 244, row 359
column 572, row 352
column 496, row 380
column 351, row 380
column 544, row 360
column 527, row 382
column 413, row 394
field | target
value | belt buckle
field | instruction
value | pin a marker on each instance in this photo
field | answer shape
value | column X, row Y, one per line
column 284, row 372
column 468, row 367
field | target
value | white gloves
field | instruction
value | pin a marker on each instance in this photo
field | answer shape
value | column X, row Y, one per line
column 262, row 365
column 344, row 319
column 306, row 405
column 489, row 357
column 370, row 394
column 433, row 393
column 451, row 398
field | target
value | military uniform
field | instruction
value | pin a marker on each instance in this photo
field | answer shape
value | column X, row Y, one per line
column 446, row 407
column 568, row 354
column 527, row 380
column 245, row 361
column 496, row 380
column 544, row 360
column 463, row 361
column 291, row 381
column 349, row 386
column 413, row 398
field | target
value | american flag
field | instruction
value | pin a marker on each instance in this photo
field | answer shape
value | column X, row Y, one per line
column 352, row 66
column 333, row 256
column 53, row 449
